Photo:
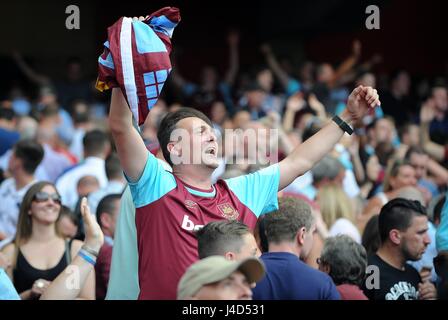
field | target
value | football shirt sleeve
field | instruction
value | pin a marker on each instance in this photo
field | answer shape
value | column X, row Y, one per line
column 123, row 276
column 153, row 184
column 258, row 190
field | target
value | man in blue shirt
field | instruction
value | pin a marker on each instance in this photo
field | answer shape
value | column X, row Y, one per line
column 289, row 231
column 8, row 135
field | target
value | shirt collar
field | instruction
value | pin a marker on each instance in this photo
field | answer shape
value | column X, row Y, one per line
column 108, row 240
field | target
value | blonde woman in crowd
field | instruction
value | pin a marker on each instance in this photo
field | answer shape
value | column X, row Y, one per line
column 399, row 174
column 337, row 211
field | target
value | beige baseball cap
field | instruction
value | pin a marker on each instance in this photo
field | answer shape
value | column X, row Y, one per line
column 216, row 268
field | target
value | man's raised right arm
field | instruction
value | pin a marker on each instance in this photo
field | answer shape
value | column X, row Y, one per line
column 130, row 146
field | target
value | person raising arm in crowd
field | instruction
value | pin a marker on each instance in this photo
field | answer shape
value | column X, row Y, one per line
column 188, row 195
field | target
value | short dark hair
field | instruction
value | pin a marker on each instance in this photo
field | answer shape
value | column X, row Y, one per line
column 283, row 224
column 49, row 110
column 260, row 233
column 404, row 129
column 320, row 68
column 396, row 73
column 113, row 167
column 219, row 237
column 73, row 59
column 7, row 114
column 79, row 115
column 94, row 142
column 313, row 128
column 412, row 150
column 371, row 236
column 384, row 152
column 439, row 83
column 66, row 211
column 169, row 123
column 346, row 258
column 441, row 267
column 106, row 205
column 437, row 212
column 398, row 214
column 30, row 152
column 253, row 86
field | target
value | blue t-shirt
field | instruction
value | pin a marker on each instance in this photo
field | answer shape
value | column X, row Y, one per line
column 288, row 278
column 7, row 139
column 442, row 229
column 7, row 290
column 163, row 217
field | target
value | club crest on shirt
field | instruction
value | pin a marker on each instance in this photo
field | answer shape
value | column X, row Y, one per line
column 190, row 204
column 227, row 211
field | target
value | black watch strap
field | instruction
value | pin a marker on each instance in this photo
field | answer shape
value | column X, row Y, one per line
column 343, row 125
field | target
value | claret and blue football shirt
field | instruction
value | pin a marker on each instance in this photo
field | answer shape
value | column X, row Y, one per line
column 168, row 212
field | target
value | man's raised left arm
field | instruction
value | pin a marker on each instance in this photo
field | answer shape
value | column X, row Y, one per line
column 307, row 154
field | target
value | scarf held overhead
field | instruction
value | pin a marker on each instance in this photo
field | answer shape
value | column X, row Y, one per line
column 136, row 59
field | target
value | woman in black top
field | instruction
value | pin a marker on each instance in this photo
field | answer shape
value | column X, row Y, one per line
column 39, row 251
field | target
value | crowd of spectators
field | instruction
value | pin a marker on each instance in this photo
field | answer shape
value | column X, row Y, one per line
column 376, row 199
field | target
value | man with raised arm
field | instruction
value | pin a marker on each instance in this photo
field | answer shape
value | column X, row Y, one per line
column 171, row 206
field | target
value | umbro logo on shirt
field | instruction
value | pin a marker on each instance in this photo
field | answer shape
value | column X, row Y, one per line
column 188, row 225
column 190, row 204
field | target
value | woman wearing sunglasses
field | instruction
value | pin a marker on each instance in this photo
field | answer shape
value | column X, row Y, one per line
column 39, row 252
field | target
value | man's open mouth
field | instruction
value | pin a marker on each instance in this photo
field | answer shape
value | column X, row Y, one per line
column 211, row 151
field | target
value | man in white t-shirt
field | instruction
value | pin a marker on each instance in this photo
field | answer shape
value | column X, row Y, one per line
column 96, row 149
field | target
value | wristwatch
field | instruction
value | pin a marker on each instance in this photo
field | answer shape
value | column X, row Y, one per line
column 343, row 125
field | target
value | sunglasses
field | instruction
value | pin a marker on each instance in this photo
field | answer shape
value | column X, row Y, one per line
column 42, row 196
